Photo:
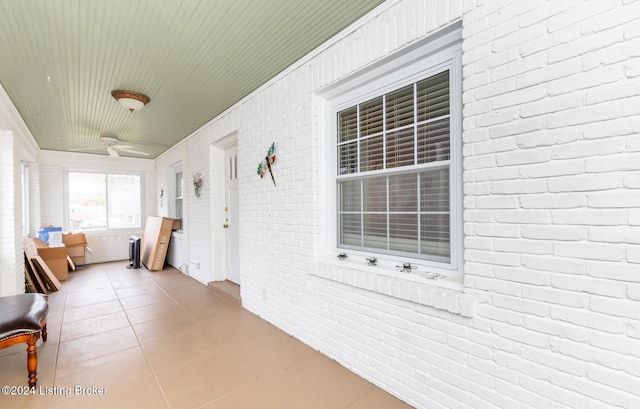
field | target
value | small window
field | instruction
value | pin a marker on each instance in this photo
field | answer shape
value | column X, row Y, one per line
column 179, row 195
column 25, row 199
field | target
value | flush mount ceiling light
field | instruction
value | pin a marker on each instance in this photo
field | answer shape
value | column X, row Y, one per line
column 133, row 101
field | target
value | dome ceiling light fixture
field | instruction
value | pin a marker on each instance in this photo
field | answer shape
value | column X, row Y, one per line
column 131, row 100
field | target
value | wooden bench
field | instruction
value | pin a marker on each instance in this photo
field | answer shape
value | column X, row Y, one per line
column 23, row 317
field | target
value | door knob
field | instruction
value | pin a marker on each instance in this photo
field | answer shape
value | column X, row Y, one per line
column 226, row 226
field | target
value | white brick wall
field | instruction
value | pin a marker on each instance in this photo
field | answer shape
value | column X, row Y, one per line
column 16, row 145
column 552, row 165
column 198, row 222
column 11, row 281
column 573, row 243
column 51, row 195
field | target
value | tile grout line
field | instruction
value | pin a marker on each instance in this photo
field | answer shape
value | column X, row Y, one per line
column 55, row 361
column 373, row 388
column 153, row 370
column 146, row 357
column 224, row 396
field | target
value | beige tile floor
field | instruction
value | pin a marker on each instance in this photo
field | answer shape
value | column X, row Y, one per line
column 163, row 340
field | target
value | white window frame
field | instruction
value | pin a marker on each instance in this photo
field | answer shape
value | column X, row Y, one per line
column 106, row 173
column 26, row 223
column 412, row 64
column 179, row 194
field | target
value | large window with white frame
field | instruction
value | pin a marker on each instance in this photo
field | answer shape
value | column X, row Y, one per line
column 397, row 158
column 104, row 201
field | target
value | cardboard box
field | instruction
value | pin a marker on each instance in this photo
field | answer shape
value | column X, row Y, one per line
column 74, row 239
column 155, row 242
column 75, row 251
column 76, row 244
column 177, row 224
column 77, row 255
column 54, row 257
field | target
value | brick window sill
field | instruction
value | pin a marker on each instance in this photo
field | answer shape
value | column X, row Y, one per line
column 443, row 294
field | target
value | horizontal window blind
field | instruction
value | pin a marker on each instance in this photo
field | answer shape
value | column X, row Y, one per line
column 393, row 171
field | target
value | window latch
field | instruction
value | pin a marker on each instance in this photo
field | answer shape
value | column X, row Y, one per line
column 406, row 267
column 342, row 256
column 371, row 261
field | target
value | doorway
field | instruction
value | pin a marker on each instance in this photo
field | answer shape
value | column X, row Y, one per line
column 225, row 229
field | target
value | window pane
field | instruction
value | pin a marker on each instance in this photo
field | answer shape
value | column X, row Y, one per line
column 434, row 191
column 124, row 201
column 434, row 198
column 400, row 147
column 350, row 196
column 87, row 201
column 375, row 231
column 403, row 232
column 351, row 231
column 348, row 158
column 371, row 117
column 433, row 141
column 178, row 208
column 178, row 184
column 399, row 109
column 25, row 199
column 403, row 193
column 348, row 124
column 434, row 234
column 371, row 154
column 433, row 97
column 235, row 167
column 374, row 191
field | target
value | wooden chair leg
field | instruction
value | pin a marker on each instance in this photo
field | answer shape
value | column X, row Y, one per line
column 44, row 333
column 32, row 360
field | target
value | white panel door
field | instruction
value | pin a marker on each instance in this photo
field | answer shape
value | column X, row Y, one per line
column 231, row 215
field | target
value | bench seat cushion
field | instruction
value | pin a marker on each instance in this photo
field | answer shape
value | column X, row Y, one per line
column 22, row 314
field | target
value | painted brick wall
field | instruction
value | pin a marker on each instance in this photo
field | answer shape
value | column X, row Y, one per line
column 11, row 281
column 197, row 223
column 14, row 151
column 17, row 146
column 51, row 195
column 15, row 225
column 552, row 168
column 551, row 123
